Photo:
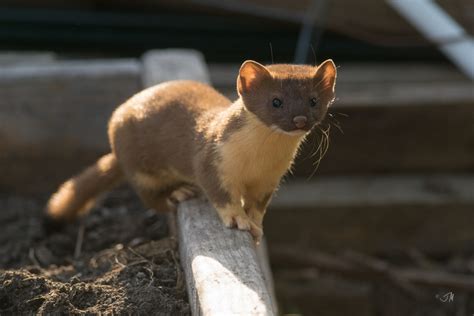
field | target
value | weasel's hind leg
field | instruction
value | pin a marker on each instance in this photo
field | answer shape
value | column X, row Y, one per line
column 154, row 190
column 184, row 193
column 155, row 198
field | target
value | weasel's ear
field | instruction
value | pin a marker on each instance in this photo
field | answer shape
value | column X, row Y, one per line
column 325, row 76
column 251, row 74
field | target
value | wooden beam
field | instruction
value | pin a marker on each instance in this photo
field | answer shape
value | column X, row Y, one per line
column 373, row 191
column 17, row 58
column 375, row 214
column 223, row 273
column 173, row 64
column 53, row 118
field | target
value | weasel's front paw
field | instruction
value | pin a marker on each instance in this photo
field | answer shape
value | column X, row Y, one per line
column 256, row 217
column 242, row 222
column 257, row 233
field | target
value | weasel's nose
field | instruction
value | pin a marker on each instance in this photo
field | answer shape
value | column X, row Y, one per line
column 300, row 121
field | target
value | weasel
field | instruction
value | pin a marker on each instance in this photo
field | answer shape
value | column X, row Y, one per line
column 182, row 138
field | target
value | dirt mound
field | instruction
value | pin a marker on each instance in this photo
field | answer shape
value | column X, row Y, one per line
column 116, row 260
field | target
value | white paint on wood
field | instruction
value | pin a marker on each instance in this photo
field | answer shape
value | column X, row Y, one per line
column 223, row 274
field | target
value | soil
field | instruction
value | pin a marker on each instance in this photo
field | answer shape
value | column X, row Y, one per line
column 118, row 259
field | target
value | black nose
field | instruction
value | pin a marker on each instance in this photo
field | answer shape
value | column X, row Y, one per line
column 300, row 121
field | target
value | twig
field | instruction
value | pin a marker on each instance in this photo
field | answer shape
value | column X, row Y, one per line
column 32, row 256
column 79, row 240
column 378, row 269
column 138, row 262
column 139, row 255
column 152, row 275
column 421, row 260
column 172, row 225
column 118, row 262
column 179, row 276
column 384, row 271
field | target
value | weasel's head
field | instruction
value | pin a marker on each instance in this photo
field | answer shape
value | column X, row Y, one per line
column 289, row 98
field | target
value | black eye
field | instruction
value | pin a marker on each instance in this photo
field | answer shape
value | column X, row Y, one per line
column 314, row 102
column 276, row 103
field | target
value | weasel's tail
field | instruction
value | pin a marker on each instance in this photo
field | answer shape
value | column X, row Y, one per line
column 77, row 195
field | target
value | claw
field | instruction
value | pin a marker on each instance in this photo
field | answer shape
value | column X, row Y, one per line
column 234, row 218
column 242, row 223
column 257, row 232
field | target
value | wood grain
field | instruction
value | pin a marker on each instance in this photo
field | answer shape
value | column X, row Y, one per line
column 223, row 274
column 374, row 214
column 53, row 118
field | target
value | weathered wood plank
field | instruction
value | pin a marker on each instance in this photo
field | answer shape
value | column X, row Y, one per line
column 221, row 266
column 10, row 58
column 375, row 214
column 173, row 64
column 53, row 118
column 377, row 191
column 264, row 262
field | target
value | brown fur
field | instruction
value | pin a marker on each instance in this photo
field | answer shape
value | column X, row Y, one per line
column 78, row 194
column 180, row 137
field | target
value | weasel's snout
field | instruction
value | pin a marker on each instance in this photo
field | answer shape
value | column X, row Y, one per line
column 300, row 121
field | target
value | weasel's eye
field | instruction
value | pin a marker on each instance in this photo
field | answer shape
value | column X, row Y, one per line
column 314, row 102
column 276, row 103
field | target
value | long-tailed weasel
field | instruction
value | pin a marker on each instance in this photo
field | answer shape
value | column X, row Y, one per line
column 180, row 138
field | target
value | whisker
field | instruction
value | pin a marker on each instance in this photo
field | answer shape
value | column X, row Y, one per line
column 319, row 146
column 322, row 149
column 315, row 143
column 338, row 127
column 335, row 123
column 342, row 114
